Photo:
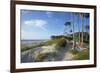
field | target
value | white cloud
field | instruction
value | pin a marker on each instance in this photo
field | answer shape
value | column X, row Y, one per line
column 36, row 23
column 49, row 14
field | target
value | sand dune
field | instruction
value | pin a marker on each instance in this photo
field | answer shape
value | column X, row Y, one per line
column 52, row 54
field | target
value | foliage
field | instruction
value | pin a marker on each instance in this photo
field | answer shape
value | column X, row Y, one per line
column 40, row 57
column 67, row 23
column 83, row 55
column 69, row 38
column 73, row 51
column 87, row 27
column 61, row 43
column 30, row 47
column 57, row 37
column 52, row 41
column 86, row 41
column 61, row 36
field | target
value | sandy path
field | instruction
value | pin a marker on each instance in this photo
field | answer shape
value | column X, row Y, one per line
column 30, row 55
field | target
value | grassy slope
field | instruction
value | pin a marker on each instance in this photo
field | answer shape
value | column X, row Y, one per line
column 82, row 55
column 30, row 47
column 49, row 42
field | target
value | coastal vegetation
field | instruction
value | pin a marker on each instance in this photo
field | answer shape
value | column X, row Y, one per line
column 71, row 45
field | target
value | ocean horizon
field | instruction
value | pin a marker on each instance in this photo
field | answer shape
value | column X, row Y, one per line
column 33, row 41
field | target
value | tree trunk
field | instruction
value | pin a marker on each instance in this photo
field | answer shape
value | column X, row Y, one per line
column 79, row 30
column 73, row 33
column 82, row 31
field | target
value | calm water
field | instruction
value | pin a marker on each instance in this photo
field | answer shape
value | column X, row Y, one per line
column 26, row 42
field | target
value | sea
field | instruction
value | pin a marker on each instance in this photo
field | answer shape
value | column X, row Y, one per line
column 29, row 42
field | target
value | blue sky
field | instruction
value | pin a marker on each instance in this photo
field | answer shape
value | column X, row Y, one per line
column 43, row 24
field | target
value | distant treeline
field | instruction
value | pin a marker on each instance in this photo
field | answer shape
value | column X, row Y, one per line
column 70, row 36
column 61, row 36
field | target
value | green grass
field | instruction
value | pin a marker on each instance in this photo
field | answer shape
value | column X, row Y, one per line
column 83, row 55
column 61, row 44
column 40, row 57
column 52, row 41
column 73, row 51
column 30, row 47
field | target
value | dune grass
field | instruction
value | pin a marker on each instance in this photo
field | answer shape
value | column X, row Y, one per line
column 52, row 41
column 40, row 57
column 82, row 55
column 73, row 51
column 30, row 47
column 61, row 44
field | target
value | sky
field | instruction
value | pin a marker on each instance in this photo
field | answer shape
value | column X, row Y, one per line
column 37, row 24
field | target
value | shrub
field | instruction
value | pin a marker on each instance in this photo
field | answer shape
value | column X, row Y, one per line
column 61, row 43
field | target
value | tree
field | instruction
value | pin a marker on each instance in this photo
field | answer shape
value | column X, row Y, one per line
column 82, row 20
column 86, row 15
column 87, row 30
column 78, row 15
column 73, row 31
column 66, row 25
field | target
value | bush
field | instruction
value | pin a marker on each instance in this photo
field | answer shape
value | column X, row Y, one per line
column 69, row 38
column 61, row 43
